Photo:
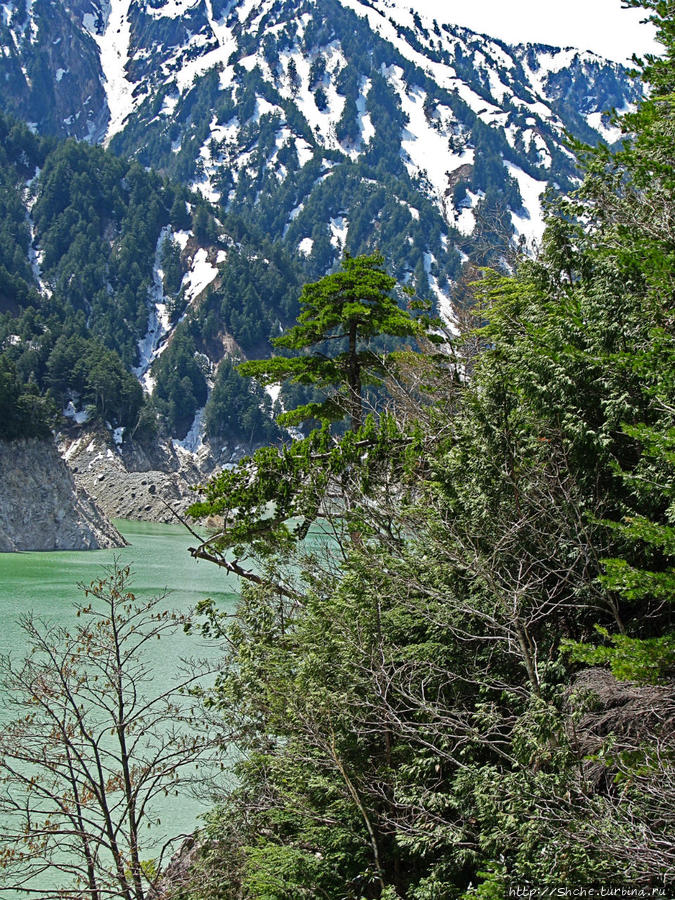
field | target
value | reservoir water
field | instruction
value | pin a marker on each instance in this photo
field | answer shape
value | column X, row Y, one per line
column 158, row 556
column 46, row 584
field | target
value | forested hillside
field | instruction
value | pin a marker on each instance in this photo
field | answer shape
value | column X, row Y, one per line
column 331, row 124
column 267, row 140
column 112, row 278
column 451, row 672
column 339, row 125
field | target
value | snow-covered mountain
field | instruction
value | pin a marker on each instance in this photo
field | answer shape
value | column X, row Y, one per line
column 329, row 122
column 313, row 127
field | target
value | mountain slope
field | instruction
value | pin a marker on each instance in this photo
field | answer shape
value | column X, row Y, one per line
column 50, row 72
column 110, row 276
column 339, row 124
column 313, row 127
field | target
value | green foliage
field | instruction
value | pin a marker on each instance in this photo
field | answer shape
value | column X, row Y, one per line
column 203, row 224
column 289, row 480
column 491, row 887
column 257, row 292
column 181, row 383
column 351, row 307
column 97, row 220
column 321, row 99
column 23, row 413
column 171, row 266
column 238, row 411
column 347, row 129
column 406, row 724
column 648, row 660
column 643, row 659
column 96, row 376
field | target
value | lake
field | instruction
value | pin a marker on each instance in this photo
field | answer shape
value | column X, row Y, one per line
column 46, row 583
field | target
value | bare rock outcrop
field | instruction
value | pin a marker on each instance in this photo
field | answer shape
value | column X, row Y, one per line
column 128, row 482
column 41, row 507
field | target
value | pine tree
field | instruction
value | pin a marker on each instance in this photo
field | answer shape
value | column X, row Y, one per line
column 351, row 307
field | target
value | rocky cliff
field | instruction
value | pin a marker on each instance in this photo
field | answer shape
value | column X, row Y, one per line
column 40, row 506
column 128, row 482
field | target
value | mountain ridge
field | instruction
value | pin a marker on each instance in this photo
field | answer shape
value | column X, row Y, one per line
column 320, row 127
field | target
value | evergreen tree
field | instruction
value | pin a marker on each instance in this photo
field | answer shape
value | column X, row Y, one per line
column 23, row 413
column 350, row 307
column 416, row 710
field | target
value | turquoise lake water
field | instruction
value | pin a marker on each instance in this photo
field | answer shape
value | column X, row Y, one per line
column 46, row 584
column 158, row 555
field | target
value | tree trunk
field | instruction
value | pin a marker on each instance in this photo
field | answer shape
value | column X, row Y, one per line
column 354, row 381
column 126, row 769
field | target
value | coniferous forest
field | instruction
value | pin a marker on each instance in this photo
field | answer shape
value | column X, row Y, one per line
column 98, row 220
column 451, row 671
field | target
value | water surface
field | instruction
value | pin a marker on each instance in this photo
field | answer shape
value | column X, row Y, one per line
column 158, row 556
column 46, row 584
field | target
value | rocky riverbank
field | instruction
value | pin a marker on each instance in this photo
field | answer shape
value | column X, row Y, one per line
column 41, row 506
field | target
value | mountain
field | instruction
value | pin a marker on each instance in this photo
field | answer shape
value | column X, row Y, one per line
column 308, row 128
column 304, row 112
column 105, row 270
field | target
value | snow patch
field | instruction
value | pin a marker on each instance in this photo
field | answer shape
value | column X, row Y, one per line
column 79, row 416
column 610, row 133
column 555, row 60
column 531, row 224
column 366, row 126
column 194, row 439
column 219, row 56
column 171, row 9
column 264, row 108
column 181, row 238
column 322, row 122
column 158, row 319
column 425, row 149
column 169, row 105
column 445, row 309
column 245, row 8
column 339, row 227
column 114, row 44
column 200, row 276
column 273, row 391
column 465, row 221
column 72, row 450
column 89, row 23
column 304, row 150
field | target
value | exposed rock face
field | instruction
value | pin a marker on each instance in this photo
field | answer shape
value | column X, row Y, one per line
column 41, row 508
column 177, row 873
column 50, row 70
column 634, row 715
column 129, row 482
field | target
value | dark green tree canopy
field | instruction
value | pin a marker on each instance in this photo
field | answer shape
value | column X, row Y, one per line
column 474, row 691
column 340, row 317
